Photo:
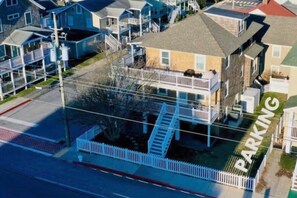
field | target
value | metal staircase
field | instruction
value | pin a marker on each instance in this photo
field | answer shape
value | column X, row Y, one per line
column 163, row 132
column 173, row 14
column 112, row 42
column 194, row 5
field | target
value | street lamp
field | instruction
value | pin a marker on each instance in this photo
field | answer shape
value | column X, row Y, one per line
column 55, row 57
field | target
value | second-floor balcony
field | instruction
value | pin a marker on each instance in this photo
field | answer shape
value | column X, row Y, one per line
column 115, row 29
column 19, row 61
column 207, row 84
column 136, row 20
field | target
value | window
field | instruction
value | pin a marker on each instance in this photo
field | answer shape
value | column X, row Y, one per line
column 276, row 51
column 11, row 2
column 182, row 96
column 28, row 18
column 227, row 62
column 274, row 69
column 240, row 26
column 70, row 20
column 2, row 51
column 78, row 10
column 199, row 97
column 1, row 28
column 226, row 88
column 240, row 50
column 241, row 71
column 200, row 62
column 165, row 58
column 162, row 91
column 254, row 65
column 89, row 23
column 13, row 16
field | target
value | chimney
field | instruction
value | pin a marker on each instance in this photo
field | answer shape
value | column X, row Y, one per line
column 265, row 2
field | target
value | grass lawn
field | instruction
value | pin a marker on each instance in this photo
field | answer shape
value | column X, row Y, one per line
column 224, row 154
column 54, row 79
column 288, row 162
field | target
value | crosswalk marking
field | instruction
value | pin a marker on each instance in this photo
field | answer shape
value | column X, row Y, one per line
column 21, row 122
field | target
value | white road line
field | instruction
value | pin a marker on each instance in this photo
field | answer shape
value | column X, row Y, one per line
column 69, row 187
column 142, row 181
column 157, row 185
column 31, row 135
column 26, row 148
column 184, row 191
column 170, row 188
column 104, row 171
column 130, row 178
column 120, row 195
column 117, row 175
column 29, row 124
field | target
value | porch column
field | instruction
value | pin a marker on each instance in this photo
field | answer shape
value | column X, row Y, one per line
column 12, row 81
column 43, row 61
column 208, row 135
column 289, row 133
column 132, row 53
column 177, row 131
column 23, row 63
column 145, row 120
column 1, row 91
column 150, row 18
column 129, row 32
column 119, row 29
column 209, row 109
column 140, row 24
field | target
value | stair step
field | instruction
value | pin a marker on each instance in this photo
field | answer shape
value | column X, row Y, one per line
column 158, row 141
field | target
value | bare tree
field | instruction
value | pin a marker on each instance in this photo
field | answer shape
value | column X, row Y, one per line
column 117, row 93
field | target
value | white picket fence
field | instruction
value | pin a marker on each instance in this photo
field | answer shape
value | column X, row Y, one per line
column 264, row 162
column 84, row 144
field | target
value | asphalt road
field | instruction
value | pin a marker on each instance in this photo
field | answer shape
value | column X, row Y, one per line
column 72, row 177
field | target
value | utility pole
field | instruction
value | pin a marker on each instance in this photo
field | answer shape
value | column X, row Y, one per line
column 58, row 62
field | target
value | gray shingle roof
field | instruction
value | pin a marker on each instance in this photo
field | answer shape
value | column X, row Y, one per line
column 201, row 35
column 291, row 58
column 254, row 51
column 281, row 31
column 17, row 37
column 291, row 102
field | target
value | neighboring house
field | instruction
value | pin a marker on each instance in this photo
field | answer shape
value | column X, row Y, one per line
column 290, row 124
column 289, row 4
column 23, row 51
column 223, row 57
column 266, row 8
column 279, row 39
column 120, row 18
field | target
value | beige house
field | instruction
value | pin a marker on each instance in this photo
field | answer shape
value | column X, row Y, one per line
column 279, row 40
column 200, row 67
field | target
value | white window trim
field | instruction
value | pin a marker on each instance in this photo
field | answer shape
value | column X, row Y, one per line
column 160, row 93
column 17, row 14
column 280, row 51
column 200, row 100
column 275, row 66
column 26, row 18
column 1, row 26
column 204, row 60
column 227, row 87
column 76, row 9
column 12, row 4
column 241, row 50
column 169, row 58
column 228, row 65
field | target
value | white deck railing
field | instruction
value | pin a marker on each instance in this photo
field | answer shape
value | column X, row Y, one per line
column 170, row 78
column 279, row 85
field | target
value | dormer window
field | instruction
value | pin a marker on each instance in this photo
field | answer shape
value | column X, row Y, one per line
column 227, row 62
column 241, row 26
column 11, row 3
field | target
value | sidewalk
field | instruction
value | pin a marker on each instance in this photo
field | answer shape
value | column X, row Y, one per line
column 171, row 179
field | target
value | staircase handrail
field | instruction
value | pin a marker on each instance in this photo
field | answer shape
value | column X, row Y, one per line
column 112, row 41
column 174, row 14
column 157, row 125
column 170, row 131
column 156, row 26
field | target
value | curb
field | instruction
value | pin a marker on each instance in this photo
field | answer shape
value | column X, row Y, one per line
column 141, row 178
column 16, row 106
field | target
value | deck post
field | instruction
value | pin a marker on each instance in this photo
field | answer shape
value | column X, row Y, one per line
column 208, row 135
column 177, row 131
column 145, row 120
column 140, row 24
